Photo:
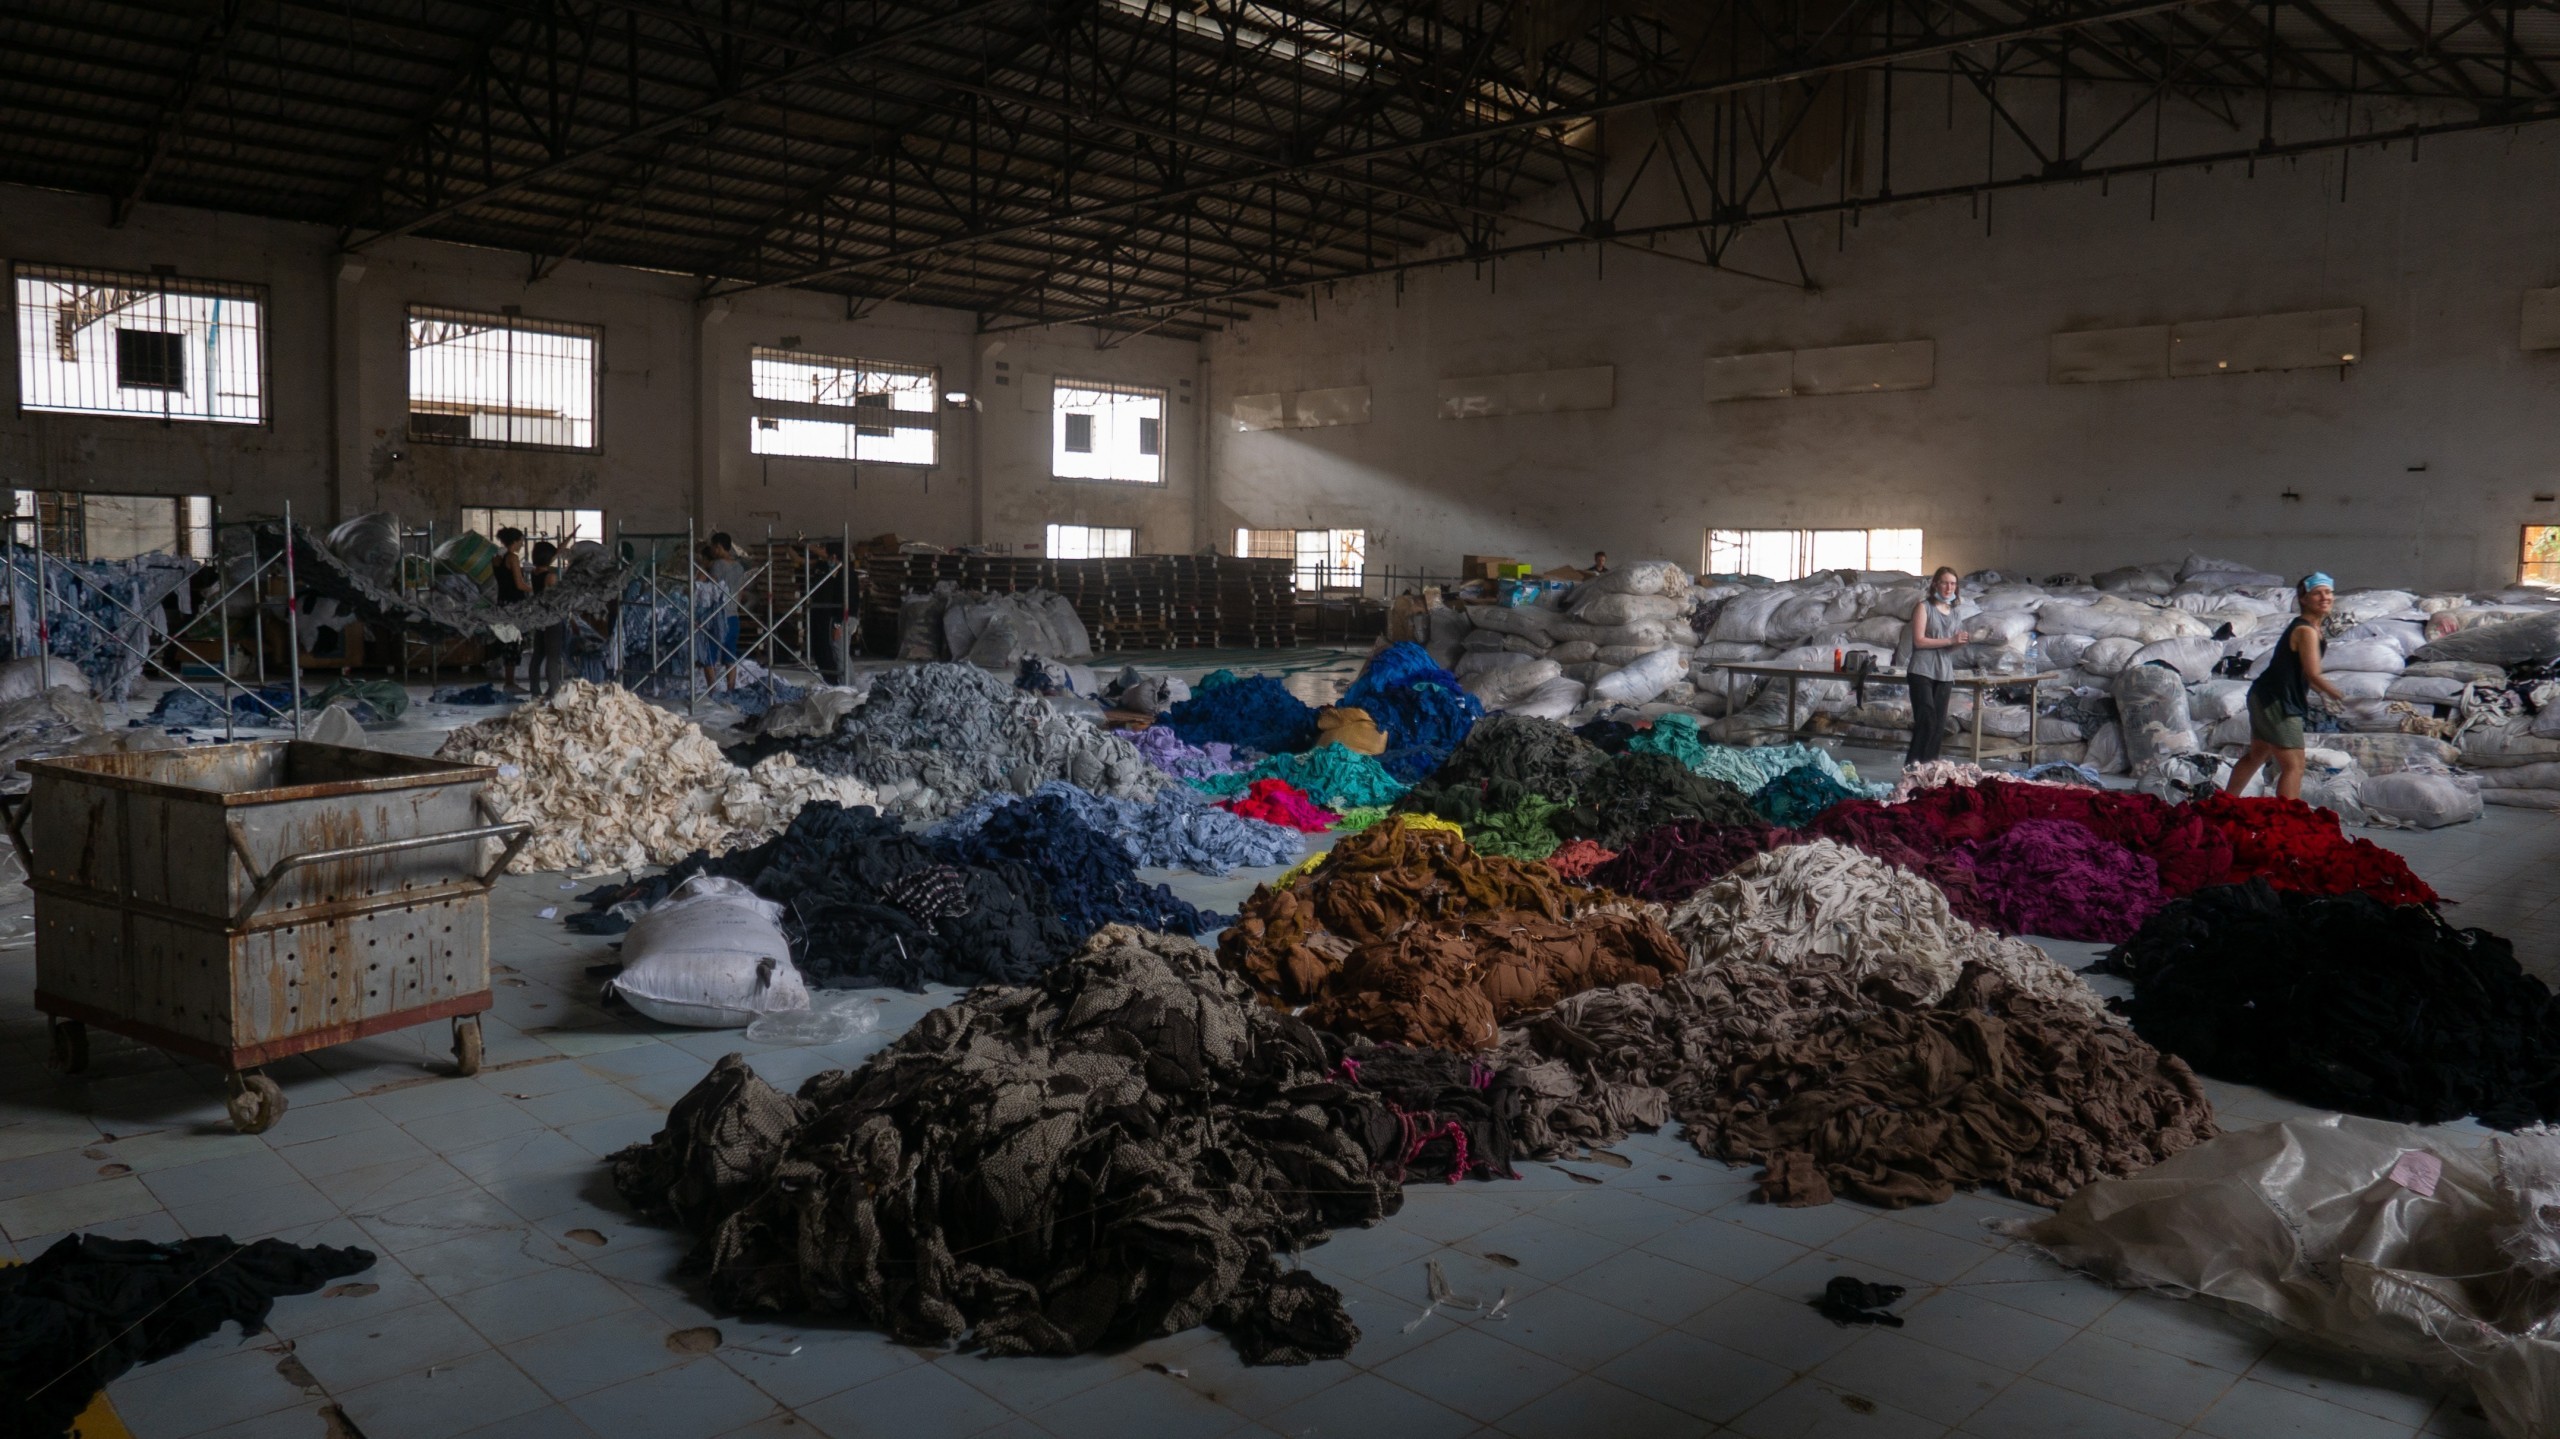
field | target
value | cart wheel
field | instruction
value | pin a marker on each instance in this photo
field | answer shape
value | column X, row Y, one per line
column 466, row 1046
column 70, row 1046
column 256, row 1102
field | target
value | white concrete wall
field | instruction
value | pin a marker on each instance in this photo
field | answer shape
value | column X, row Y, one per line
column 2416, row 465
column 674, row 420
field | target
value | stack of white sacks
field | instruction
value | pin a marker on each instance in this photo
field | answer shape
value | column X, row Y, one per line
column 2146, row 656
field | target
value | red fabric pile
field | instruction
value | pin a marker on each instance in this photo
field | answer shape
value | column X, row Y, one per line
column 2187, row 848
column 1578, row 858
column 1670, row 863
column 2299, row 847
column 1277, row 801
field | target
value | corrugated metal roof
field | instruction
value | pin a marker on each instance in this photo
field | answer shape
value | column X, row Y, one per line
column 1128, row 159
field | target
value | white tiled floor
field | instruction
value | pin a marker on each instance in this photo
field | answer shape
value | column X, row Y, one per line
column 516, row 1296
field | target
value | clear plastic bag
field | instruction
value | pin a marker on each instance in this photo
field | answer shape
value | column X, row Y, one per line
column 833, row 1016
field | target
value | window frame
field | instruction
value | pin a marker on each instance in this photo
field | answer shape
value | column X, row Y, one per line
column 1806, row 543
column 191, row 533
column 1309, row 576
column 151, row 284
column 603, row 519
column 512, row 324
column 1061, row 385
column 2525, row 561
column 1049, row 540
column 763, row 408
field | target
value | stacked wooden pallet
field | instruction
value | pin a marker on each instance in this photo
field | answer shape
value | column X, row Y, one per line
column 1257, row 603
column 1143, row 602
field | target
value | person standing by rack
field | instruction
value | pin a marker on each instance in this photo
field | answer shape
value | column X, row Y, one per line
column 551, row 642
column 1934, row 637
column 720, row 662
column 512, row 586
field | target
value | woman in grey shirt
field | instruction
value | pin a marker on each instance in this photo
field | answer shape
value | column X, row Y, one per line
column 1933, row 635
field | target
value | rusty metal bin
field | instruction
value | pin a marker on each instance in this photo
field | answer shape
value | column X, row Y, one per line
column 244, row 902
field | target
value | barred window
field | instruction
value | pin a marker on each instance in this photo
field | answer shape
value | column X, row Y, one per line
column 104, row 342
column 1089, row 542
column 562, row 527
column 1794, row 554
column 1107, row 432
column 502, row 379
column 878, row 412
column 1326, row 559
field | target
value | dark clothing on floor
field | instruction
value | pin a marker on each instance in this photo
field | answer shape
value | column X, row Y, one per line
column 88, row 1309
column 1929, row 700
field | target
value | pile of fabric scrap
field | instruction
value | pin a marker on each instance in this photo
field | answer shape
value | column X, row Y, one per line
column 1175, row 830
column 1422, row 709
column 1160, row 746
column 1278, row 802
column 871, row 903
column 1407, row 935
column 1090, row 874
column 612, row 782
column 2346, row 1002
column 1330, row 774
column 1255, row 713
column 1122, row 1150
column 930, row 739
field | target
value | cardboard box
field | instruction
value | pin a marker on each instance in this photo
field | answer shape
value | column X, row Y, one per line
column 1482, row 567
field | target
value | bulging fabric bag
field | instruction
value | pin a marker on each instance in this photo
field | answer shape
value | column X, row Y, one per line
column 710, row 956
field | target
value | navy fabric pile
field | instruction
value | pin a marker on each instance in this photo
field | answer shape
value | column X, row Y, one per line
column 1255, row 713
column 185, row 709
column 480, row 694
column 1092, row 879
column 871, row 904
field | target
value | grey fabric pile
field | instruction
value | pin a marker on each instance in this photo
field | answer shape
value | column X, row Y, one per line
column 1119, row 1151
column 933, row 738
column 593, row 576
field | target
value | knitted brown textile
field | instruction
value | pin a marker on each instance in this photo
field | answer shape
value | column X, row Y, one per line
column 1408, row 936
column 1115, row 1152
column 1910, row 1103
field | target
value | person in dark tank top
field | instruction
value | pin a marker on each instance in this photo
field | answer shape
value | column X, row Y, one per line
column 2280, row 697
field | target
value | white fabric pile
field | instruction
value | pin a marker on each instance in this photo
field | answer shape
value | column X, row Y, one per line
column 612, row 782
column 1828, row 899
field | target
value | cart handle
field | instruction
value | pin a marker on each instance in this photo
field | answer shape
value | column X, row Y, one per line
column 515, row 836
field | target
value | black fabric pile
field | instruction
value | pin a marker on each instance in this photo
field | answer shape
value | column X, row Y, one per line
column 1504, row 759
column 1612, row 736
column 88, row 1309
column 2344, row 1002
column 1117, row 1152
column 870, row 903
column 1634, row 792
column 1091, row 878
column 1846, row 1301
column 1447, row 1116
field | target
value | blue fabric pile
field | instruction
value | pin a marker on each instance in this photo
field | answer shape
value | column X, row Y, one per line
column 1421, row 707
column 185, row 709
column 1178, row 829
column 480, row 694
column 1794, row 798
column 2061, row 773
column 1255, row 713
column 1092, row 879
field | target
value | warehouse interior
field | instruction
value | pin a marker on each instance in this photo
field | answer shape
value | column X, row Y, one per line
column 737, row 718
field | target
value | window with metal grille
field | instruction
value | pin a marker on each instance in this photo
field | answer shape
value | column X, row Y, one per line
column 1326, row 559
column 482, row 379
column 876, row 412
column 2541, row 564
column 1089, row 542
column 562, row 527
column 76, row 525
column 1106, row 431
column 1794, row 554
column 103, row 342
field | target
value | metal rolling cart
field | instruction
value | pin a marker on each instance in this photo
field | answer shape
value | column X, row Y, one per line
column 242, row 903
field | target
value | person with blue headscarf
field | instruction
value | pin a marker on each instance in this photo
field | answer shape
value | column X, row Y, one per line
column 2280, row 697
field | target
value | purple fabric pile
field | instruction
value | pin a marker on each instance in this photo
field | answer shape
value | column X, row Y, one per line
column 1166, row 751
column 2054, row 877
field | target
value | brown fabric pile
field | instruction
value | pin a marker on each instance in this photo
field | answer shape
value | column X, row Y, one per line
column 1122, row 1150
column 1990, row 1086
column 1408, row 936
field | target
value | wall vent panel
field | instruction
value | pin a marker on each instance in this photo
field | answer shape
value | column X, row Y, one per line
column 2249, row 344
column 2091, row 357
column 1537, row 392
